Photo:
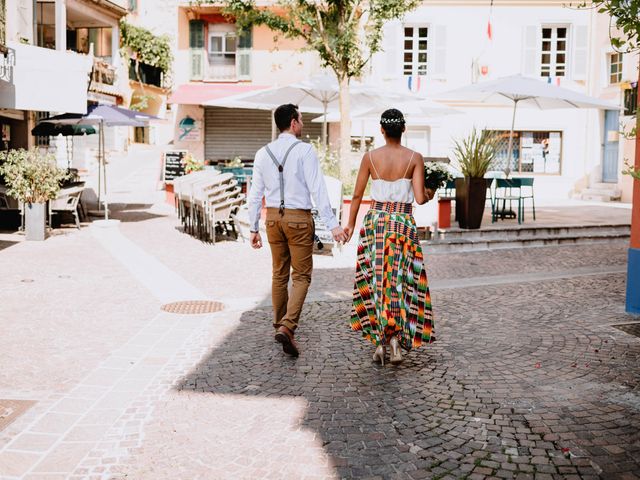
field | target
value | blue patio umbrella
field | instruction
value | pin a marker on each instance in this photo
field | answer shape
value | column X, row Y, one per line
column 104, row 116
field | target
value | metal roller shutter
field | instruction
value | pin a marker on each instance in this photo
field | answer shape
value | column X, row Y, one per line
column 231, row 132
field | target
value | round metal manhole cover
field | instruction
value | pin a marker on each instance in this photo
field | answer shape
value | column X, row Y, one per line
column 192, row 307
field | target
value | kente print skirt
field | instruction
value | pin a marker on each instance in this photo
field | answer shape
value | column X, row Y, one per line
column 391, row 293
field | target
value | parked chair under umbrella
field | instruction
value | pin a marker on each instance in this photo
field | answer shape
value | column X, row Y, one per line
column 104, row 116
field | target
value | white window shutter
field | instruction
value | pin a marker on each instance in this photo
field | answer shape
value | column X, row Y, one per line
column 530, row 53
column 580, row 52
column 439, row 65
column 392, row 46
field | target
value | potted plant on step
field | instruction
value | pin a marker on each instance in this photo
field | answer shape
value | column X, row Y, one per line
column 33, row 178
column 474, row 155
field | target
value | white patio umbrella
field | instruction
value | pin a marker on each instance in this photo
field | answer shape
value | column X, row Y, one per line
column 319, row 94
column 518, row 90
column 103, row 116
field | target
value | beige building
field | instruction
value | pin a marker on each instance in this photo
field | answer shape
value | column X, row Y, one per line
column 59, row 55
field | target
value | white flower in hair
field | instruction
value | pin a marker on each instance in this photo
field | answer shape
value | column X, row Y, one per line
column 392, row 120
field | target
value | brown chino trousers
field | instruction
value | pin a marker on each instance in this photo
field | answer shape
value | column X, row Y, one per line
column 291, row 240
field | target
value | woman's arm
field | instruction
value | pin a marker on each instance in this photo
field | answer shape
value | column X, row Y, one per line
column 361, row 184
column 422, row 194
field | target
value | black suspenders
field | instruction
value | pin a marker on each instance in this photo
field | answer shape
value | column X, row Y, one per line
column 281, row 170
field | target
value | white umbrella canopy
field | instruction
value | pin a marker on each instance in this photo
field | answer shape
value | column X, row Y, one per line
column 415, row 108
column 518, row 90
column 318, row 94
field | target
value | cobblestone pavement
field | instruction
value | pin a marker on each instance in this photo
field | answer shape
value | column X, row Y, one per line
column 528, row 378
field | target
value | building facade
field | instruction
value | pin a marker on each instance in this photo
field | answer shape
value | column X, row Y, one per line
column 449, row 44
column 59, row 56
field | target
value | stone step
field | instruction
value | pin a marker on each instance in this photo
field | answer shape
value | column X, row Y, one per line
column 524, row 231
column 595, row 196
column 467, row 245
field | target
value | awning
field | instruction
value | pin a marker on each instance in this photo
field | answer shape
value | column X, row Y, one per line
column 199, row 93
column 47, row 80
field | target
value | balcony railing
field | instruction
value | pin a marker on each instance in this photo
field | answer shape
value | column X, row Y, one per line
column 212, row 68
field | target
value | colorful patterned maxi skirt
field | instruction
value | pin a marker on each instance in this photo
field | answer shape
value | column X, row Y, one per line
column 391, row 294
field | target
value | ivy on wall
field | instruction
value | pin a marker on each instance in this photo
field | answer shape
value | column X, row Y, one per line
column 146, row 47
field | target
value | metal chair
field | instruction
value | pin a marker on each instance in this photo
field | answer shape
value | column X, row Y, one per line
column 511, row 189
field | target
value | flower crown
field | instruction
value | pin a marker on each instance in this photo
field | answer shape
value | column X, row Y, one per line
column 392, row 121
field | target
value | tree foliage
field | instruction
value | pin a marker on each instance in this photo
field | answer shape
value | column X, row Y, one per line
column 32, row 177
column 625, row 22
column 345, row 33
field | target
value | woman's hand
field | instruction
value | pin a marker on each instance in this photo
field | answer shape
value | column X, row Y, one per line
column 429, row 193
column 348, row 230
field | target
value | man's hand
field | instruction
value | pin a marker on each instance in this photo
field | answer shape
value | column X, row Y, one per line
column 339, row 235
column 256, row 240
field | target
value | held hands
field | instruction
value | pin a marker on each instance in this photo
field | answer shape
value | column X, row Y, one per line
column 429, row 193
column 339, row 235
column 256, row 240
column 348, row 230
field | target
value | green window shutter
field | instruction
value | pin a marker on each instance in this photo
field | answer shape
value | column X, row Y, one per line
column 245, row 39
column 196, row 34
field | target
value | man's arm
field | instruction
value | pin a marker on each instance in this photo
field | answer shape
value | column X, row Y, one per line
column 318, row 189
column 254, row 200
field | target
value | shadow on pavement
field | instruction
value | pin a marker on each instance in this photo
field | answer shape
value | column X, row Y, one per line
column 132, row 212
column 493, row 393
column 6, row 244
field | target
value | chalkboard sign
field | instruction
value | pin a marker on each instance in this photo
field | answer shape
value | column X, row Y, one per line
column 172, row 165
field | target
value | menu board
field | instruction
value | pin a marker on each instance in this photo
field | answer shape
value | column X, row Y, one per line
column 173, row 165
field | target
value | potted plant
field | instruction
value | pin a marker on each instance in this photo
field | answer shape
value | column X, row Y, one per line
column 436, row 175
column 33, row 178
column 474, row 155
column 191, row 164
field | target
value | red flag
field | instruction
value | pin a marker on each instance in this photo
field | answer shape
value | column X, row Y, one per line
column 489, row 32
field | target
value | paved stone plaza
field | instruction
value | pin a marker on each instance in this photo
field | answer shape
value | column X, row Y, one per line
column 528, row 378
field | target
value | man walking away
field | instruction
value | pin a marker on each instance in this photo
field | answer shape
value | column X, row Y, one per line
column 286, row 172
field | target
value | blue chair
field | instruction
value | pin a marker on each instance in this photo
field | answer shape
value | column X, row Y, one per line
column 513, row 190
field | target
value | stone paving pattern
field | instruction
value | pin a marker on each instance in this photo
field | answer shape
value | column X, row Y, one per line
column 526, row 380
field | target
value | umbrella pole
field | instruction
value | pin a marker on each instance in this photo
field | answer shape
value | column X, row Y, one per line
column 104, row 179
column 507, row 170
column 99, row 164
column 324, row 124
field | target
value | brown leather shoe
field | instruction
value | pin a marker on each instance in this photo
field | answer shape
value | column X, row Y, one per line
column 285, row 337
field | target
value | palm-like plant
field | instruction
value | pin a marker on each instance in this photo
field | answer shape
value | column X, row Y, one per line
column 476, row 152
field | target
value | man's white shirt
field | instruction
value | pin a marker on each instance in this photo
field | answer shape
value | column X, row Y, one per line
column 303, row 179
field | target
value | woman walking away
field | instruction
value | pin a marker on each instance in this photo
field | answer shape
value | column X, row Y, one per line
column 391, row 301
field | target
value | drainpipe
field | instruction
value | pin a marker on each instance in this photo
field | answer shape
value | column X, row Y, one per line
column 34, row 10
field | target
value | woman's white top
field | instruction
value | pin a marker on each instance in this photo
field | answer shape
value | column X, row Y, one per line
column 400, row 190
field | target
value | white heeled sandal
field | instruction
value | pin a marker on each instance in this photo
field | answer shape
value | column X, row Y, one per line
column 395, row 357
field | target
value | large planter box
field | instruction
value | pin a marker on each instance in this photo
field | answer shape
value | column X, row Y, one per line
column 35, row 221
column 471, row 195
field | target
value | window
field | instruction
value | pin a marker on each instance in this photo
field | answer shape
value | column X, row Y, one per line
column 100, row 37
column 615, row 68
column 554, row 52
column 533, row 152
column 631, row 100
column 415, row 50
column 222, row 48
column 42, row 141
column 46, row 25
column 148, row 74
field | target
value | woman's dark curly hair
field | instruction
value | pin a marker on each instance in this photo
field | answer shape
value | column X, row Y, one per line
column 392, row 122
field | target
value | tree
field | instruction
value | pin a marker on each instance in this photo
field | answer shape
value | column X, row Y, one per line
column 344, row 33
